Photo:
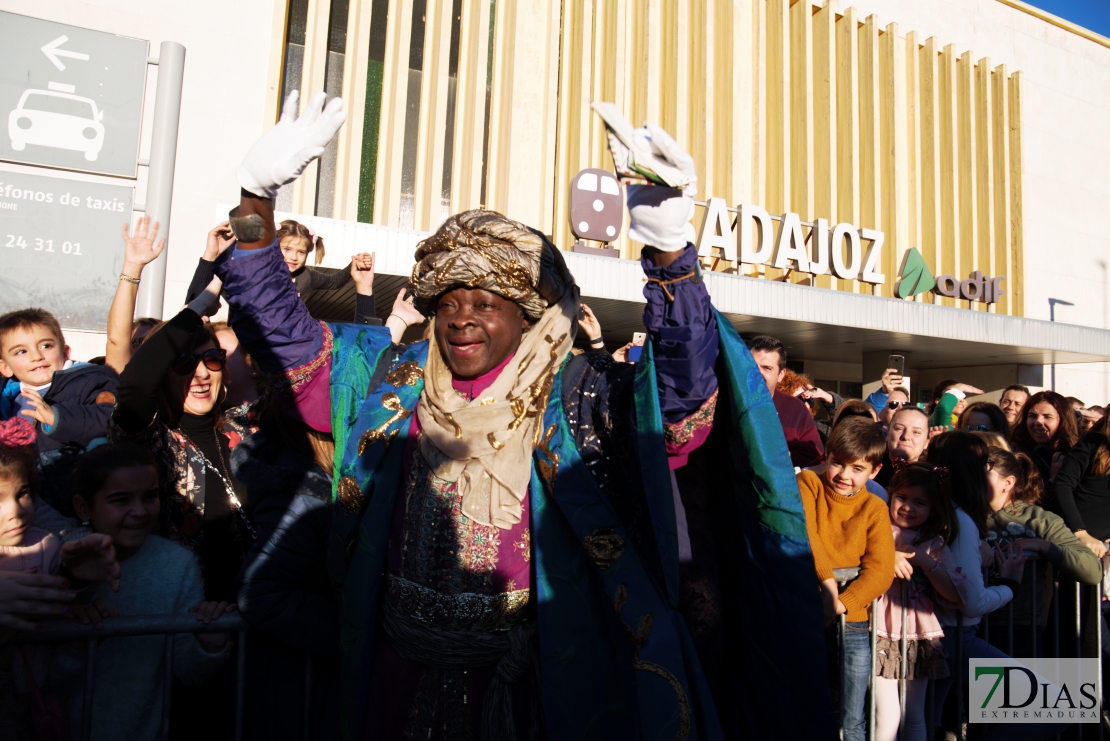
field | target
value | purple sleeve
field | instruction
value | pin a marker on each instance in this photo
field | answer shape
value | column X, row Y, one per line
column 268, row 316
column 683, row 333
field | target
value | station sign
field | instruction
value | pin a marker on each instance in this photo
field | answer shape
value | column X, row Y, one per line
column 60, row 246
column 746, row 234
column 70, row 98
column 841, row 249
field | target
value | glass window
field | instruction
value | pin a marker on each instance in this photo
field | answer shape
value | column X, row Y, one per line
column 412, row 114
column 295, row 26
column 371, row 126
column 333, row 86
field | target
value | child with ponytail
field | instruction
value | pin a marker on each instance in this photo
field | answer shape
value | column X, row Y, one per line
column 922, row 518
column 297, row 242
column 1015, row 492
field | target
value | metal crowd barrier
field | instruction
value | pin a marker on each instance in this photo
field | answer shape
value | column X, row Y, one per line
column 145, row 625
column 846, row 575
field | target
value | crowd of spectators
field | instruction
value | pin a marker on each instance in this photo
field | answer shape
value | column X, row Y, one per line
column 168, row 477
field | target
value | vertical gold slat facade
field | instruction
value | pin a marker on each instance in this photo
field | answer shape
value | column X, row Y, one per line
column 825, row 116
column 1016, row 215
column 782, row 103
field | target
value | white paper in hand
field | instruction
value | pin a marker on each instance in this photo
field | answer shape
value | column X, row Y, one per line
column 283, row 152
column 637, row 159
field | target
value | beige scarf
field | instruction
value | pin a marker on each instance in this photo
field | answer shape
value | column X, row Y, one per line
column 486, row 444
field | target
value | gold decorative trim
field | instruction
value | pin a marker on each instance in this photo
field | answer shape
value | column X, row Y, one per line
column 682, row 432
column 294, row 378
column 549, row 468
column 639, row 639
column 405, row 374
column 392, row 402
column 350, row 496
column 604, row 547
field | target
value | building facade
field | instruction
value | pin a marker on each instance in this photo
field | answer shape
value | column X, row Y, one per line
column 958, row 142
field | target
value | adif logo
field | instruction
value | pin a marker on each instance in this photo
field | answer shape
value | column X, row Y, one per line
column 916, row 277
column 1033, row 691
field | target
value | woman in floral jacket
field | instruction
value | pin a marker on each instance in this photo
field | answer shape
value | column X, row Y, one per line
column 170, row 399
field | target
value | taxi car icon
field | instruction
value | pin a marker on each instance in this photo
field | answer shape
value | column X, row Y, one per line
column 55, row 119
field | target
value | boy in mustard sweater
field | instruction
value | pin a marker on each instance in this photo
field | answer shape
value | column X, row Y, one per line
column 848, row 526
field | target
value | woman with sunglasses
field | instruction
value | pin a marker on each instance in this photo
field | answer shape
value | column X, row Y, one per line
column 982, row 416
column 170, row 399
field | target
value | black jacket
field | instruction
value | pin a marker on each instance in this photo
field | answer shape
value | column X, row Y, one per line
column 82, row 397
column 285, row 594
column 1083, row 498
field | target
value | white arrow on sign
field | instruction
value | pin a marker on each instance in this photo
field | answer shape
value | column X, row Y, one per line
column 52, row 52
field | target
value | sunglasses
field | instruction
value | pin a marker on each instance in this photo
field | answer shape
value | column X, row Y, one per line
column 214, row 359
column 896, row 404
column 977, row 428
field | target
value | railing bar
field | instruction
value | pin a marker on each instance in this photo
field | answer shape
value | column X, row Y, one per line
column 167, row 685
column 902, row 670
column 843, row 646
column 930, row 709
column 1009, row 628
column 130, row 626
column 1033, row 611
column 1056, row 627
column 1098, row 654
column 307, row 696
column 1079, row 640
column 961, row 673
column 871, row 683
column 87, row 695
column 240, row 684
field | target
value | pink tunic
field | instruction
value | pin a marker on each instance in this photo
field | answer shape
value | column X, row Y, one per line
column 439, row 564
column 921, row 623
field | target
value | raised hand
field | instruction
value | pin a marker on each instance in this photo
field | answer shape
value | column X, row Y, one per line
column 283, row 152
column 404, row 310
column 219, row 239
column 590, row 325
column 208, row 302
column 139, row 248
column 362, row 272
column 891, row 380
column 659, row 216
column 92, row 559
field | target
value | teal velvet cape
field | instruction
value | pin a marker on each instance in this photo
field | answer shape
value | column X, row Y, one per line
column 616, row 657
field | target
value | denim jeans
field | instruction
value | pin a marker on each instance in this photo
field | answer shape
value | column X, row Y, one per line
column 857, row 673
column 976, row 648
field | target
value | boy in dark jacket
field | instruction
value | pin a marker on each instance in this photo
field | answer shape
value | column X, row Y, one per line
column 70, row 402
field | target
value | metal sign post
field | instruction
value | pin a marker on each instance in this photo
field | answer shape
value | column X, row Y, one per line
column 163, row 157
column 72, row 99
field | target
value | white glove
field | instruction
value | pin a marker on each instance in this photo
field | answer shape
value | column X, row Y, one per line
column 283, row 152
column 658, row 216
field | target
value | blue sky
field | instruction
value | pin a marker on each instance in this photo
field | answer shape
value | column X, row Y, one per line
column 1092, row 14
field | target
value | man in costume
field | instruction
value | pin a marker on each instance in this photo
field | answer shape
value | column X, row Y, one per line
column 528, row 544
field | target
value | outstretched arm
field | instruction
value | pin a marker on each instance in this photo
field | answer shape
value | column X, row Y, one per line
column 139, row 250
column 679, row 315
column 268, row 317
